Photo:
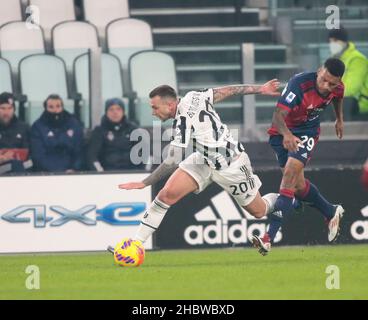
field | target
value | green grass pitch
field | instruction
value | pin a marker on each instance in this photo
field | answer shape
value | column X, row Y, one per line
column 287, row 273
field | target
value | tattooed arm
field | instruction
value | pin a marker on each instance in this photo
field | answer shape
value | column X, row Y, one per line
column 269, row 88
column 290, row 142
column 166, row 168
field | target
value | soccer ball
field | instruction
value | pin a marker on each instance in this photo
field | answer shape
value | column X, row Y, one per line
column 129, row 253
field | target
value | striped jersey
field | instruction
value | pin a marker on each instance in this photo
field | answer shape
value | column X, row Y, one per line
column 196, row 121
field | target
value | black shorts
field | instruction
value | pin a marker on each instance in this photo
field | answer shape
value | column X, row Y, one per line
column 303, row 154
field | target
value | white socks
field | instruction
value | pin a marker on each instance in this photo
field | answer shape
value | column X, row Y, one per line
column 151, row 220
column 270, row 200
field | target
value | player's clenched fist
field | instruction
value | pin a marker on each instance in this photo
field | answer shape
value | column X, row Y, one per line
column 132, row 185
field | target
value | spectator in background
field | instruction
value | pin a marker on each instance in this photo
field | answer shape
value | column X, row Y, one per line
column 355, row 78
column 110, row 145
column 56, row 139
column 14, row 137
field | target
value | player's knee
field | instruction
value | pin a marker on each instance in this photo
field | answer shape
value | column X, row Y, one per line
column 168, row 195
column 259, row 214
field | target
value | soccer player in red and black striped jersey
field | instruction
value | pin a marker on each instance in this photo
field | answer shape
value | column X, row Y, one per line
column 293, row 136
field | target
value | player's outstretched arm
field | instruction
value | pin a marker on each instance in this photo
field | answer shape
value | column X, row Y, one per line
column 270, row 88
column 339, row 124
column 166, row 168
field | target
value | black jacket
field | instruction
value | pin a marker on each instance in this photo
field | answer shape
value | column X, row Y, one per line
column 110, row 145
column 15, row 135
column 57, row 147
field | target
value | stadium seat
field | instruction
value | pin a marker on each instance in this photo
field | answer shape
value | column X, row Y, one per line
column 10, row 10
column 53, row 12
column 17, row 41
column 40, row 76
column 126, row 37
column 100, row 13
column 5, row 76
column 112, row 85
column 149, row 69
column 6, row 83
column 73, row 38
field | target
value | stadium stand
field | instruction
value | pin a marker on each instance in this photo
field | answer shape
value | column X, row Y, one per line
column 6, row 83
column 137, row 37
column 111, row 81
column 53, row 12
column 161, row 68
column 17, row 41
column 101, row 13
column 40, row 76
column 10, row 11
column 73, row 38
column 206, row 48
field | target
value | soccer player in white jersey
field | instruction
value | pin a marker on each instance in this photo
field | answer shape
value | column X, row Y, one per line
column 217, row 156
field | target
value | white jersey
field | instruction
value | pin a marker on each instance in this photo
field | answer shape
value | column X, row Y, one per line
column 196, row 121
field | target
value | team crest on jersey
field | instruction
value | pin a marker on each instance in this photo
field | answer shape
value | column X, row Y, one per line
column 195, row 100
column 70, row 133
column 313, row 113
column 110, row 136
column 194, row 105
column 290, row 97
column 190, row 114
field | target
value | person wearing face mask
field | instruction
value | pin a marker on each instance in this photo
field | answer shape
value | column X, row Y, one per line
column 56, row 139
column 109, row 146
column 14, row 137
column 355, row 78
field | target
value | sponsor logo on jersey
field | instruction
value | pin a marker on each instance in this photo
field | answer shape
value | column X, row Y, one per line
column 110, row 136
column 70, row 133
column 190, row 114
column 194, row 105
column 290, row 97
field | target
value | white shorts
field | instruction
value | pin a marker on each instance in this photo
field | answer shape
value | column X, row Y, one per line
column 238, row 179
